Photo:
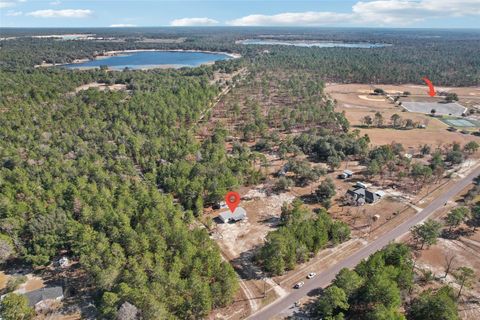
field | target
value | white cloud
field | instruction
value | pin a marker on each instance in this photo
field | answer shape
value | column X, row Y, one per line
column 193, row 22
column 404, row 12
column 122, row 25
column 372, row 13
column 12, row 13
column 9, row 4
column 6, row 4
column 291, row 19
column 66, row 13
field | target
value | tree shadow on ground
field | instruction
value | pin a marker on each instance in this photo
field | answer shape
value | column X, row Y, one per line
column 272, row 221
column 309, row 198
column 245, row 266
column 455, row 234
column 306, row 311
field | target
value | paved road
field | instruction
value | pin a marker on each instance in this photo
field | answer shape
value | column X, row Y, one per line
column 324, row 279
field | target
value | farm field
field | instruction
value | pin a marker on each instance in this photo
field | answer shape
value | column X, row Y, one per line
column 355, row 101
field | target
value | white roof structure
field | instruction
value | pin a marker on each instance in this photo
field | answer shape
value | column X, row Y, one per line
column 237, row 215
column 361, row 185
column 454, row 108
column 63, row 262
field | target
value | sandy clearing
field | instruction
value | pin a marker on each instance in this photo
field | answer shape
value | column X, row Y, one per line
column 371, row 99
column 101, row 87
column 245, row 235
column 356, row 108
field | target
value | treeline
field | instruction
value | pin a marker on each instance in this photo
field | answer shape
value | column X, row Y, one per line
column 447, row 57
column 88, row 173
column 380, row 287
column 445, row 62
column 301, row 235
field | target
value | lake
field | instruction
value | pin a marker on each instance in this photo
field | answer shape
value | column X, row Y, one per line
column 318, row 44
column 152, row 59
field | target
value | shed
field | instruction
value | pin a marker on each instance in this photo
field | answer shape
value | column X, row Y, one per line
column 63, row 262
column 346, row 174
column 238, row 215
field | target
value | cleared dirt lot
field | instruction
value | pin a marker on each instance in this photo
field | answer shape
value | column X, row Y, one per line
column 355, row 100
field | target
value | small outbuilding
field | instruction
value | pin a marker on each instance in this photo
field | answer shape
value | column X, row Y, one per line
column 63, row 262
column 238, row 215
column 346, row 174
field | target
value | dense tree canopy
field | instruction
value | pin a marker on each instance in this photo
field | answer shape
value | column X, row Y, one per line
column 302, row 234
column 90, row 172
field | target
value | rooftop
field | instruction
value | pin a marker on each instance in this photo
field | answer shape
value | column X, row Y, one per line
column 238, row 214
column 39, row 295
column 454, row 109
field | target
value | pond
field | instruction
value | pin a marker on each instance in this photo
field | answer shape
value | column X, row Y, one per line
column 152, row 59
column 313, row 43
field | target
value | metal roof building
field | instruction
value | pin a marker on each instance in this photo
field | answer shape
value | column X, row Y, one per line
column 237, row 215
column 43, row 294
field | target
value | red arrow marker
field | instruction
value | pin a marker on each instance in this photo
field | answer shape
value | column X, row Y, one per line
column 232, row 199
column 429, row 83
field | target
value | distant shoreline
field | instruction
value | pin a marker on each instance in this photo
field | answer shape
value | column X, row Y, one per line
column 113, row 53
column 116, row 52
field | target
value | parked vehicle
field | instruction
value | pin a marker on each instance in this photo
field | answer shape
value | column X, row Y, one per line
column 298, row 285
column 311, row 275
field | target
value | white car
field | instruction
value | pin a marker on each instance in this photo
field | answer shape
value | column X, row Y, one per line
column 298, row 285
column 311, row 275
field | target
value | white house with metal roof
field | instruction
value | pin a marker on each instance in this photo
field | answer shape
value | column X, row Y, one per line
column 238, row 215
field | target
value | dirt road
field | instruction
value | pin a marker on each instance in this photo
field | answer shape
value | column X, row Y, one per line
column 325, row 278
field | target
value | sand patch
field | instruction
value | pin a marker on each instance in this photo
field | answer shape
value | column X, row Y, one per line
column 101, row 87
column 32, row 283
column 363, row 97
column 351, row 106
column 393, row 92
column 3, row 280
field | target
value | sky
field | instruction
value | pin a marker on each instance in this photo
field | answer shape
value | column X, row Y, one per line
column 321, row 13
